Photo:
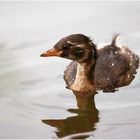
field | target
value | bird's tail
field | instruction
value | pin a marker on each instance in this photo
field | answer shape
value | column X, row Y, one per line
column 114, row 38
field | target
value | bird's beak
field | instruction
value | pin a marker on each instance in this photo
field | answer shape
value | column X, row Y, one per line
column 51, row 52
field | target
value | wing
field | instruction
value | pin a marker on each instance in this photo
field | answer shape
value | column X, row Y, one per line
column 111, row 66
column 70, row 73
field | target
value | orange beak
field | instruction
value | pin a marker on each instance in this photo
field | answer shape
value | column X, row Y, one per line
column 51, row 52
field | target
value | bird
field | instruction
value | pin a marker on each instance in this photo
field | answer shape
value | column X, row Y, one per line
column 93, row 68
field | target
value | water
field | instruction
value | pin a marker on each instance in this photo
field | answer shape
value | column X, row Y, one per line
column 34, row 102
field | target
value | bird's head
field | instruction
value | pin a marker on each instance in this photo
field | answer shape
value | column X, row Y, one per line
column 76, row 47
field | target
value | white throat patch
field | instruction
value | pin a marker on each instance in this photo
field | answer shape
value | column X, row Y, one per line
column 82, row 83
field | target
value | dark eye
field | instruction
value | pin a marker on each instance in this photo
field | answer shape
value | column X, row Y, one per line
column 79, row 50
column 66, row 46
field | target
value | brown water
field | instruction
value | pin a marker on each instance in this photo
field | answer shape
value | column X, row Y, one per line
column 34, row 102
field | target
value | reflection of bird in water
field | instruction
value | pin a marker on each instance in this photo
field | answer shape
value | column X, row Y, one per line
column 105, row 69
column 84, row 121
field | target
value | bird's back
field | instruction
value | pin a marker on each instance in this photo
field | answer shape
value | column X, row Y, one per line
column 115, row 67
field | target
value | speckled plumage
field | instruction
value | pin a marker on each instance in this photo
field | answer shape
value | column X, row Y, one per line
column 115, row 67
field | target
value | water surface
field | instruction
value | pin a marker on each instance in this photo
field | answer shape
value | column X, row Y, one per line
column 34, row 102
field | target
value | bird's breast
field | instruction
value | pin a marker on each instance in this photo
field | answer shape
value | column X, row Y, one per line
column 81, row 82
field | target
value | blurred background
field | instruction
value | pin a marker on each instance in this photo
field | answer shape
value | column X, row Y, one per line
column 32, row 88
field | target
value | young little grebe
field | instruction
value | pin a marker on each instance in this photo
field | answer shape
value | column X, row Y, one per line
column 104, row 69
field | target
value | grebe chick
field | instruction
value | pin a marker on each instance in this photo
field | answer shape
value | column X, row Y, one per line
column 92, row 69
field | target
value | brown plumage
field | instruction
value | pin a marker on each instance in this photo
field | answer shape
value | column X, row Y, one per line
column 95, row 69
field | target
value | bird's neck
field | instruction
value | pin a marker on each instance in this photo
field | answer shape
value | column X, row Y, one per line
column 84, row 77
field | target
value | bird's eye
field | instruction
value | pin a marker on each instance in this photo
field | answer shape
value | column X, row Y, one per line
column 66, row 46
column 79, row 50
